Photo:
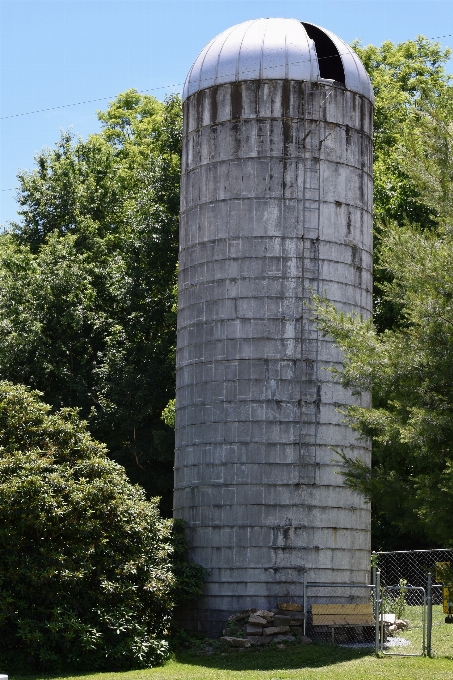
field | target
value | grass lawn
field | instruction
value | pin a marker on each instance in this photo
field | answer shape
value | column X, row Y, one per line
column 314, row 662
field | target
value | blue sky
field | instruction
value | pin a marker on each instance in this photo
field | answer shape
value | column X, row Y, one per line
column 57, row 52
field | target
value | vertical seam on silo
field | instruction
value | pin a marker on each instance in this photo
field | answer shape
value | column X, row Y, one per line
column 301, row 264
column 302, row 290
column 200, row 80
column 305, row 460
column 317, row 382
column 240, row 48
column 316, row 255
column 286, row 57
column 261, row 55
column 216, row 74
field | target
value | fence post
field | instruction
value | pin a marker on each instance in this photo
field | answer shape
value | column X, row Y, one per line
column 377, row 593
column 305, row 602
column 374, row 566
column 429, row 622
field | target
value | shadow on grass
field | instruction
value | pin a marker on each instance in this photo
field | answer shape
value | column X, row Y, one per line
column 290, row 658
column 309, row 656
column 47, row 675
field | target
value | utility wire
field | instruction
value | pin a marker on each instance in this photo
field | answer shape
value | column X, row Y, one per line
column 164, row 87
column 225, row 75
column 88, row 101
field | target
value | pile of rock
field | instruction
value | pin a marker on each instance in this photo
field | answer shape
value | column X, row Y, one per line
column 392, row 626
column 398, row 626
column 259, row 627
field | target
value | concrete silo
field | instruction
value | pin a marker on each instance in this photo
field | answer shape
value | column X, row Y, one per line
column 276, row 202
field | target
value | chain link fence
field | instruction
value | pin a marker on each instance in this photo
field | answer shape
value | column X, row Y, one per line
column 405, row 611
column 390, row 619
column 441, row 633
column 405, row 578
column 411, row 566
column 341, row 614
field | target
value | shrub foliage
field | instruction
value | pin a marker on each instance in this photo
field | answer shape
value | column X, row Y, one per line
column 85, row 571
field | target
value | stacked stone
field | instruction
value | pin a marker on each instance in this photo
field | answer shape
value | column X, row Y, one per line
column 394, row 625
column 259, row 627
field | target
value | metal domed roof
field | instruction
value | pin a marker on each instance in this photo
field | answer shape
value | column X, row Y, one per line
column 277, row 49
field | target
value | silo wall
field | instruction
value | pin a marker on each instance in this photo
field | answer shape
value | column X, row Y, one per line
column 276, row 202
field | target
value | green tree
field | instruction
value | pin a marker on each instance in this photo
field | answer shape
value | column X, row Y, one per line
column 87, row 282
column 405, row 76
column 425, row 155
column 408, row 79
column 86, row 579
column 392, row 356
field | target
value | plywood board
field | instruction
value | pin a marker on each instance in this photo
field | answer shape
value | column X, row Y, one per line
column 344, row 608
column 339, row 620
column 342, row 615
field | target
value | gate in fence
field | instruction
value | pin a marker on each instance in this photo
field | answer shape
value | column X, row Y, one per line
column 405, row 572
column 402, row 620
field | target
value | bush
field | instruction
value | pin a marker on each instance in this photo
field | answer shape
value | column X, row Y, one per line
column 189, row 576
column 85, row 576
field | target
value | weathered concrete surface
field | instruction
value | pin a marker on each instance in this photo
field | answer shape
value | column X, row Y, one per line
column 276, row 202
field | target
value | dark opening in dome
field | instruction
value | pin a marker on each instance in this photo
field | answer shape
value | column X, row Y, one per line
column 329, row 60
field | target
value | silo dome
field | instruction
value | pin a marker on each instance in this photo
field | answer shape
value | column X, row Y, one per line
column 275, row 49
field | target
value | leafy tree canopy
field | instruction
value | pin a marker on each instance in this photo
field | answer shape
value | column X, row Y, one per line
column 409, row 79
column 87, row 281
column 405, row 77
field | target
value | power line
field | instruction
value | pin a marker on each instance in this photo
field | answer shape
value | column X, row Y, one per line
column 88, row 101
column 164, row 87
